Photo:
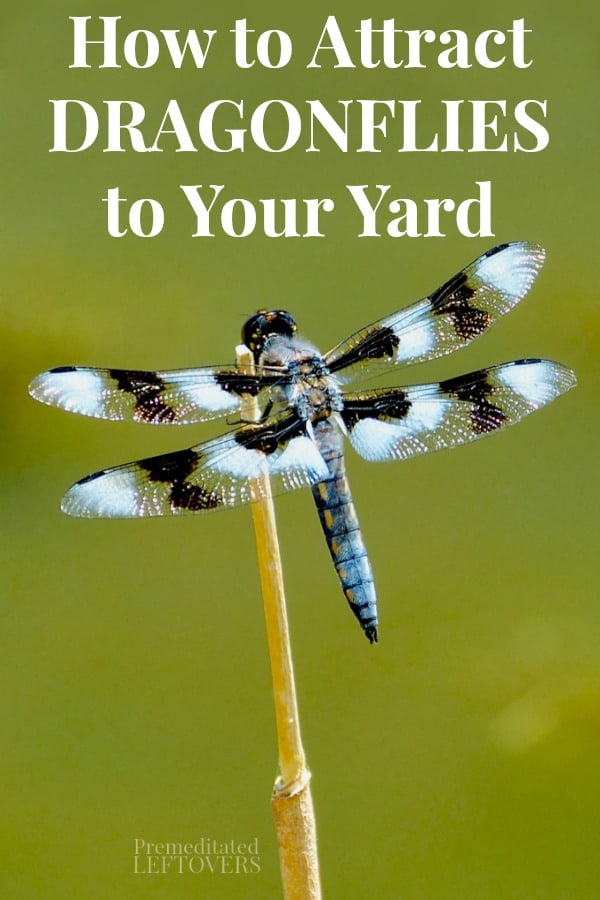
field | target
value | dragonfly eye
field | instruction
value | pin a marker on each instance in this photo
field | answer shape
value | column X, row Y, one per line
column 264, row 324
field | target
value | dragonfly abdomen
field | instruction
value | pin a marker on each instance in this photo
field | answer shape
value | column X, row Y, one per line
column 342, row 531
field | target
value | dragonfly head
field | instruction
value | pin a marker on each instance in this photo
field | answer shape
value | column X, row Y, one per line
column 264, row 324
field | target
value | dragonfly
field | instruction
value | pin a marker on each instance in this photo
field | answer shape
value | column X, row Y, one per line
column 305, row 411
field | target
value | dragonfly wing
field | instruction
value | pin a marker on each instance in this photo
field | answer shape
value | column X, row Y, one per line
column 220, row 473
column 177, row 397
column 450, row 318
column 401, row 422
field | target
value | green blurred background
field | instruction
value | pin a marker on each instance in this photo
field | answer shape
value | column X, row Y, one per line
column 459, row 757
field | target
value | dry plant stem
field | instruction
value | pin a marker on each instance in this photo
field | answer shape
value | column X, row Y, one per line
column 291, row 803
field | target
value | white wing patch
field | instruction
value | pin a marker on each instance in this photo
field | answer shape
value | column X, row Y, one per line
column 512, row 270
column 76, row 390
column 301, row 454
column 114, row 494
column 238, row 461
column 537, row 382
column 418, row 341
column 209, row 396
column 378, row 440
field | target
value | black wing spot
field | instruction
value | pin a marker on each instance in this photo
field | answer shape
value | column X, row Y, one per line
column 237, row 383
column 264, row 441
column 453, row 299
column 395, row 406
column 267, row 439
column 170, row 467
column 147, row 388
column 173, row 469
column 382, row 343
column 485, row 415
column 193, row 497
column 351, row 416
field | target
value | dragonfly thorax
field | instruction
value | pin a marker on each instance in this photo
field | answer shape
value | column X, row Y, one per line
column 308, row 385
column 314, row 392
